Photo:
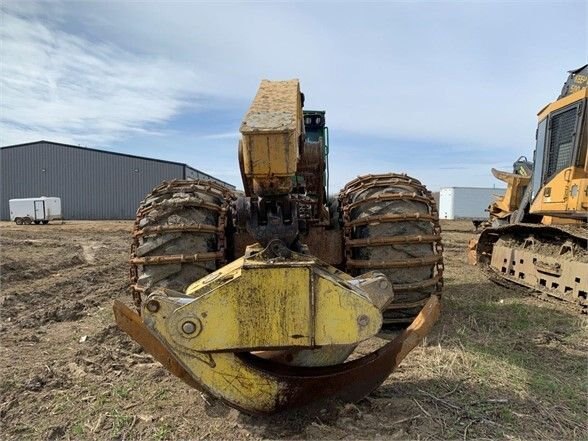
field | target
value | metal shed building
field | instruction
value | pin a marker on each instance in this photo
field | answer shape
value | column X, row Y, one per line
column 92, row 184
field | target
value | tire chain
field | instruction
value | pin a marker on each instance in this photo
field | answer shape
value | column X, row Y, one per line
column 421, row 194
column 147, row 205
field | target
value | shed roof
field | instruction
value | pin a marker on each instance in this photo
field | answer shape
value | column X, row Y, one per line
column 183, row 164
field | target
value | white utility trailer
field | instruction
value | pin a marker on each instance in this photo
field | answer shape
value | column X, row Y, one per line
column 466, row 202
column 39, row 210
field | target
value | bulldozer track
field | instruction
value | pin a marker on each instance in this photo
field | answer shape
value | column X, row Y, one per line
column 494, row 277
column 379, row 212
column 548, row 242
column 171, row 213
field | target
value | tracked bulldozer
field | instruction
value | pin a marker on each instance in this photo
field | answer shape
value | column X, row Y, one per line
column 538, row 234
column 282, row 296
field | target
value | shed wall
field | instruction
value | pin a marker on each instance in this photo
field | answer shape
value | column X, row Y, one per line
column 91, row 184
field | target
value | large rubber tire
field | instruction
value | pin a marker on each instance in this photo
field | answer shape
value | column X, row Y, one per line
column 18, row 221
column 179, row 236
column 391, row 225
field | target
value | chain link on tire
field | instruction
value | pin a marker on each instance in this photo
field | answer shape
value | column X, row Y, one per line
column 178, row 236
column 391, row 224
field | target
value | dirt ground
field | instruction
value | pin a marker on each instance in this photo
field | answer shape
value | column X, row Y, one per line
column 499, row 365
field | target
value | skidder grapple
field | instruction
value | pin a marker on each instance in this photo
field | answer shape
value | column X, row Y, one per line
column 281, row 296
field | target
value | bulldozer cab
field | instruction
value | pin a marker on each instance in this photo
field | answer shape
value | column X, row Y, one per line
column 561, row 133
column 561, row 142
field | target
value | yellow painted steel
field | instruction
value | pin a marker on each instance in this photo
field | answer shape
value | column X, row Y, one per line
column 342, row 318
column 227, row 376
column 566, row 192
column 561, row 103
column 258, row 303
column 271, row 131
column 273, row 154
column 510, row 201
column 255, row 304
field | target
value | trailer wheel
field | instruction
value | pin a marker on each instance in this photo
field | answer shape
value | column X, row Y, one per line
column 27, row 220
column 18, row 221
column 45, row 222
column 37, row 222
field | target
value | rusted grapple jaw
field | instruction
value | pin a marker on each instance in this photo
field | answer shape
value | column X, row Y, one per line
column 273, row 329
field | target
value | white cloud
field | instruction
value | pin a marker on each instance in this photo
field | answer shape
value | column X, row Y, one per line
column 59, row 86
column 465, row 73
column 225, row 135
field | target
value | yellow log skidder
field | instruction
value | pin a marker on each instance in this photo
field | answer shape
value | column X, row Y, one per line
column 309, row 277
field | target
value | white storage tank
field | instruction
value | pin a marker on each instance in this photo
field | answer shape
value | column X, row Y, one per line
column 35, row 210
column 466, row 202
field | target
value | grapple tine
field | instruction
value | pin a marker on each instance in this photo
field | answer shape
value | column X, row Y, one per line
column 131, row 323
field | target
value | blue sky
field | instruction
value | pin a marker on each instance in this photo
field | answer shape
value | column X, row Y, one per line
column 441, row 90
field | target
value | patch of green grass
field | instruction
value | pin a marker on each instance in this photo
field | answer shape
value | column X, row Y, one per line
column 6, row 384
column 162, row 432
column 161, row 394
column 101, row 400
column 120, row 422
column 553, row 376
column 78, row 429
column 122, row 391
column 505, row 415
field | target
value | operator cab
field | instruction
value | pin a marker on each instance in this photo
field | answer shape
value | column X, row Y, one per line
column 561, row 133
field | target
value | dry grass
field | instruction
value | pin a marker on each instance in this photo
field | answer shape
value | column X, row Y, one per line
column 501, row 363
